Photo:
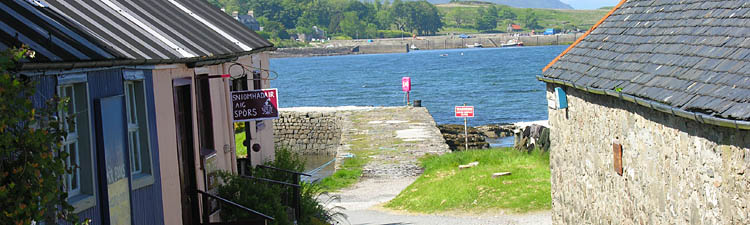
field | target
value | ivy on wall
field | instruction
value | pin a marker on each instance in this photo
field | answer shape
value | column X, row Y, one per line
column 31, row 163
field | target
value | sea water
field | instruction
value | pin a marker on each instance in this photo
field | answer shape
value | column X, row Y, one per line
column 500, row 83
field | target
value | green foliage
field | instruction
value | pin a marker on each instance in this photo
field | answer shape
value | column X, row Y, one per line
column 530, row 20
column 266, row 197
column 286, row 43
column 393, row 34
column 443, row 187
column 351, row 18
column 262, row 197
column 342, row 37
column 487, row 18
column 239, row 138
column 316, row 206
column 545, row 18
column 31, row 163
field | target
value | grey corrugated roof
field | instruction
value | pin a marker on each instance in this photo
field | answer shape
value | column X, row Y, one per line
column 127, row 31
column 689, row 54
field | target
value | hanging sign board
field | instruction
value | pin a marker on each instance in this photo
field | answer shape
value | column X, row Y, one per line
column 406, row 84
column 255, row 105
column 464, row 111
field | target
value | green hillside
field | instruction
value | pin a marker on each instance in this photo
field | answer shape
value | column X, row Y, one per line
column 563, row 19
column 283, row 20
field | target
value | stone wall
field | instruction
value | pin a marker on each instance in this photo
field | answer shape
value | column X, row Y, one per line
column 676, row 171
column 308, row 132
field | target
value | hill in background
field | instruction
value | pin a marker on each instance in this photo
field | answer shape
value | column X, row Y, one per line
column 540, row 4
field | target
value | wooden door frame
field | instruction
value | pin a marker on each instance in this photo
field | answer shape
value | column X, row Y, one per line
column 194, row 209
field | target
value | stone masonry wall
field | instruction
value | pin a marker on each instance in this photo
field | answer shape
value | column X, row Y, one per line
column 308, row 132
column 676, row 171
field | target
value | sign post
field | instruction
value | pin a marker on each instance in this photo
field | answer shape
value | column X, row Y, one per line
column 465, row 112
column 406, row 86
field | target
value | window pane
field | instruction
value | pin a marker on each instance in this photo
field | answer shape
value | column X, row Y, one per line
column 132, row 152
column 74, row 161
column 133, row 105
column 137, row 150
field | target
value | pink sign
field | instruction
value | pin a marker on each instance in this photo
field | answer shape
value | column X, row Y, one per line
column 406, row 84
column 464, row 111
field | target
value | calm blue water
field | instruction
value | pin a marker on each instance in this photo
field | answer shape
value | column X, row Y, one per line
column 500, row 82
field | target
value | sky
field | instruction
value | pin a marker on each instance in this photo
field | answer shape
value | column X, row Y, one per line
column 590, row 4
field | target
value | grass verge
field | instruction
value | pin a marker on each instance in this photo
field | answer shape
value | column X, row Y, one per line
column 443, row 187
column 350, row 170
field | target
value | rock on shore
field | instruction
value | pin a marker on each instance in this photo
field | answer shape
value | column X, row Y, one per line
column 455, row 138
column 526, row 136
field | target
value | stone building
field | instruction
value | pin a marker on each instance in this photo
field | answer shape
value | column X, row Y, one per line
column 650, row 116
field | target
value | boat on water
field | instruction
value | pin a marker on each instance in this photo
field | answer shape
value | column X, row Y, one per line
column 414, row 47
column 475, row 45
column 512, row 43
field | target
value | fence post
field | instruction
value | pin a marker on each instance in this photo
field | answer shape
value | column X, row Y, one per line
column 206, row 210
column 297, row 198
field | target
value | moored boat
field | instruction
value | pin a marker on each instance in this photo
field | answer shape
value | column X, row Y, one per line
column 512, row 43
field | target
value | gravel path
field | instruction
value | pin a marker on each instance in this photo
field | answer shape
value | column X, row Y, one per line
column 403, row 135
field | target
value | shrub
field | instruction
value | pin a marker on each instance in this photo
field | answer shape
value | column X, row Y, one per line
column 267, row 198
column 258, row 196
column 342, row 37
column 393, row 34
column 31, row 163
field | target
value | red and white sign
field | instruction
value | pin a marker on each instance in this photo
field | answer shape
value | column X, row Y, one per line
column 464, row 111
column 255, row 105
column 406, row 84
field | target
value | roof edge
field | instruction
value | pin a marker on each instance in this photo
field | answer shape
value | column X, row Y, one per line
column 138, row 62
column 584, row 35
column 695, row 116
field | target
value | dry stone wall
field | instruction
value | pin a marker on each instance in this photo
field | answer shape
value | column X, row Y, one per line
column 308, row 132
column 675, row 171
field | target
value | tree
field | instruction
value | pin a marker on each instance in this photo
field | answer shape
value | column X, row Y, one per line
column 31, row 161
column 504, row 13
column 276, row 29
column 530, row 19
column 352, row 26
column 487, row 18
column 460, row 16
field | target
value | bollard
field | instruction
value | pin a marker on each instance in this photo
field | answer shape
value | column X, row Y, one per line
column 417, row 103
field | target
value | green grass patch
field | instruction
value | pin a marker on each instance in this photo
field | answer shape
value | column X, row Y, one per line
column 351, row 169
column 347, row 175
column 241, row 149
column 443, row 187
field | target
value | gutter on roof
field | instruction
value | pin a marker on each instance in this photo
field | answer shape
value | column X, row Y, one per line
column 202, row 60
column 698, row 117
column 584, row 35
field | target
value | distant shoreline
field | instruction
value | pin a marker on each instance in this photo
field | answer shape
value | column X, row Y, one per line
column 399, row 45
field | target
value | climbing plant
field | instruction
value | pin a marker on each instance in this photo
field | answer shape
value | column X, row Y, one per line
column 31, row 163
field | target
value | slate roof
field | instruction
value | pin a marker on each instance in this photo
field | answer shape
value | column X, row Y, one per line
column 693, row 55
column 146, row 31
